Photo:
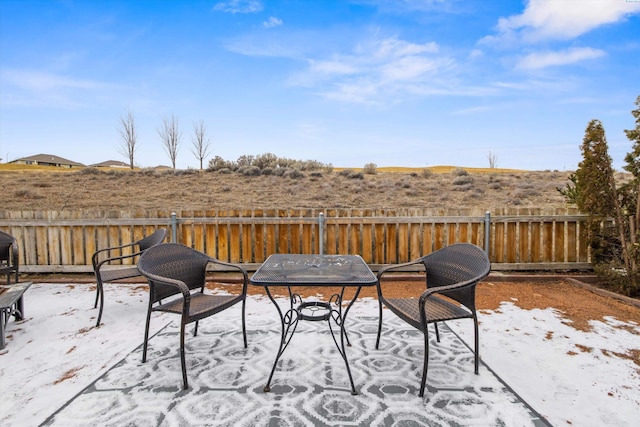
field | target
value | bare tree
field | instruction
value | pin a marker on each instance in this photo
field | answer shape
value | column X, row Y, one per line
column 170, row 136
column 493, row 160
column 201, row 143
column 128, row 137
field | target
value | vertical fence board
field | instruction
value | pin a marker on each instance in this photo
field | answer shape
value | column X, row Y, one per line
column 211, row 236
column 283, row 234
column 66, row 255
column 355, row 233
column 524, row 253
column 572, row 241
column 307, row 239
column 331, row 240
column 403, row 242
column 259, row 245
column 583, row 247
column 463, row 233
column 559, row 242
column 199, row 231
column 272, row 244
column 536, row 246
column 415, row 249
column 547, row 241
column 451, row 233
column 391, row 242
column 498, row 244
column 379, row 244
column 294, row 231
column 223, row 243
column 343, row 239
column 427, row 238
column 367, row 243
column 511, row 247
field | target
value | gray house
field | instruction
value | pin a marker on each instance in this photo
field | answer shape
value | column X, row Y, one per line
column 48, row 160
column 111, row 164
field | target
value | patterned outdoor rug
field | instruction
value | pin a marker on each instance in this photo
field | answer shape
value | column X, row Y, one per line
column 310, row 386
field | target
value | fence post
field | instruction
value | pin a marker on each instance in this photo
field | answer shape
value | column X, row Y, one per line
column 487, row 231
column 321, row 232
column 174, row 226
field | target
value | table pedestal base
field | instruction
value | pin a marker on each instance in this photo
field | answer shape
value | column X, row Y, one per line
column 314, row 311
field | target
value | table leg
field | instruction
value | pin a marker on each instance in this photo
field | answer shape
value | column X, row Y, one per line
column 340, row 318
column 289, row 323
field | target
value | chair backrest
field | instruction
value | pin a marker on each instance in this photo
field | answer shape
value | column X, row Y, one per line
column 7, row 244
column 458, row 263
column 172, row 261
column 153, row 239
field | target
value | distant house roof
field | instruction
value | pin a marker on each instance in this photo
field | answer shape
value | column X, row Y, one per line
column 111, row 164
column 47, row 159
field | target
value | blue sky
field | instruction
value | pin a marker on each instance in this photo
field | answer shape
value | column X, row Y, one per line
column 395, row 83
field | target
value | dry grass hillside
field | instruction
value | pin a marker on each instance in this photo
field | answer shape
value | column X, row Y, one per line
column 32, row 188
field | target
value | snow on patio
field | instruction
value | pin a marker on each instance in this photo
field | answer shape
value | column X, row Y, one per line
column 569, row 377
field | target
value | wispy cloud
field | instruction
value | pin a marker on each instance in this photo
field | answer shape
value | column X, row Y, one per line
column 272, row 22
column 541, row 60
column 390, row 68
column 39, row 80
column 562, row 19
column 33, row 87
column 239, row 6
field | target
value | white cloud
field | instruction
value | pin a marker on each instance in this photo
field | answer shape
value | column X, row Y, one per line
column 388, row 68
column 540, row 60
column 25, row 87
column 563, row 19
column 37, row 80
column 272, row 22
column 239, row 6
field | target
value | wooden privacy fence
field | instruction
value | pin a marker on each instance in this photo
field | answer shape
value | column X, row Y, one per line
column 516, row 239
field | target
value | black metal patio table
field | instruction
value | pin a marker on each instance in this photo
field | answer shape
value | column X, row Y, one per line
column 295, row 270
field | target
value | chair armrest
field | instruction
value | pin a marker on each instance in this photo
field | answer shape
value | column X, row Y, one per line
column 443, row 289
column 396, row 266
column 95, row 258
column 184, row 289
column 97, row 266
column 241, row 269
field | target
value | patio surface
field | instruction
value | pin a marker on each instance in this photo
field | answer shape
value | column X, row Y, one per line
column 58, row 369
column 310, row 385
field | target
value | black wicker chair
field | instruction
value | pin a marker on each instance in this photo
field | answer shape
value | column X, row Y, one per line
column 9, row 256
column 10, row 265
column 452, row 274
column 177, row 278
column 115, row 256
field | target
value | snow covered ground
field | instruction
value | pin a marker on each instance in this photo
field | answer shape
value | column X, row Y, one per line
column 570, row 377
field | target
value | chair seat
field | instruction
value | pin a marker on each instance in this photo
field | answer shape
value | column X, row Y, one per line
column 201, row 305
column 437, row 309
column 109, row 275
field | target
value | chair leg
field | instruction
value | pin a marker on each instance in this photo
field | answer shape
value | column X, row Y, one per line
column 435, row 324
column 425, row 364
column 379, row 323
column 244, row 327
column 95, row 304
column 146, row 334
column 195, row 329
column 100, row 296
column 476, row 342
column 182, row 358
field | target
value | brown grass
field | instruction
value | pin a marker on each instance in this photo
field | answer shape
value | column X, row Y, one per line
column 40, row 188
